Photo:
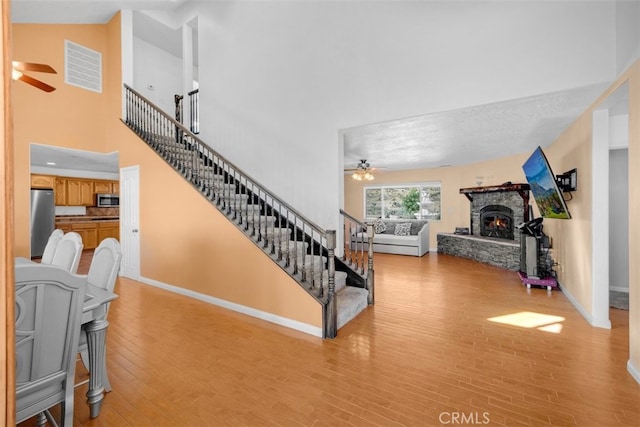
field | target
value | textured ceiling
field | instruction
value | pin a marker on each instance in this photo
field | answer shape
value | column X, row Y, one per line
column 468, row 135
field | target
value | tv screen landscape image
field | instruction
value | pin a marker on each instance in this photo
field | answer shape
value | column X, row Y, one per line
column 544, row 187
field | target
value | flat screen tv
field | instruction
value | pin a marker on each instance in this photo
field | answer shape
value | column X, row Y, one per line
column 544, row 187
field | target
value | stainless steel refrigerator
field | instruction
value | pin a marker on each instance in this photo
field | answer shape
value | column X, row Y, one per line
column 42, row 219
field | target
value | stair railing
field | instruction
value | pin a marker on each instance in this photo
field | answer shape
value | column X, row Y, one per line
column 295, row 243
column 358, row 249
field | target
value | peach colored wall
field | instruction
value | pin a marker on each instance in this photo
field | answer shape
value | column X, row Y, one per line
column 184, row 242
column 455, row 207
column 67, row 117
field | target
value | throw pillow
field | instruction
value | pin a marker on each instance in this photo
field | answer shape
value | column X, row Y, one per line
column 403, row 229
column 379, row 226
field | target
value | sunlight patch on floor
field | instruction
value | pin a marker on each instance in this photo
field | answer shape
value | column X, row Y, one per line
column 529, row 319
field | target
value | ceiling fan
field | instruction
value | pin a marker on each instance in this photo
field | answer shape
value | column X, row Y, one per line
column 19, row 67
column 362, row 172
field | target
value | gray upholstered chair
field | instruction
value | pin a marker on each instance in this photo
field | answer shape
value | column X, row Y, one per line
column 50, row 247
column 68, row 252
column 48, row 313
column 103, row 272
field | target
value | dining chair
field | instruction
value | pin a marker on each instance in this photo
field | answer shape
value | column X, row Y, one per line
column 68, row 252
column 48, row 313
column 50, row 247
column 103, row 272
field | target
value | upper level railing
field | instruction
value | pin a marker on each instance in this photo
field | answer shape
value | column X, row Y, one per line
column 194, row 102
column 250, row 205
column 194, row 110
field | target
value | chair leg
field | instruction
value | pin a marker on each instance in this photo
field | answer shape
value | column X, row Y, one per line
column 41, row 419
column 67, row 412
column 84, row 356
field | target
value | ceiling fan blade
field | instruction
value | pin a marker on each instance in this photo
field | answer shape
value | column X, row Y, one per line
column 32, row 66
column 37, row 83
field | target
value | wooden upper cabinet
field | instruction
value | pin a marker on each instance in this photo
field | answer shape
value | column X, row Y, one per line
column 61, row 191
column 74, row 191
column 79, row 192
column 43, row 181
column 86, row 193
column 102, row 186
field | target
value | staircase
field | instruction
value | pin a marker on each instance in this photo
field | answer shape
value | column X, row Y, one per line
column 305, row 251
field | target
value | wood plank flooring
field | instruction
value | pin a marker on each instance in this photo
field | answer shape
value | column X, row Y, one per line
column 426, row 354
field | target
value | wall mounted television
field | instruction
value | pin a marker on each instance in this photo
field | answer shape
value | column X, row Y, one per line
column 544, row 187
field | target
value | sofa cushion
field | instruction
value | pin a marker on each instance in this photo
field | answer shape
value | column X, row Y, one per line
column 403, row 229
column 391, row 239
column 417, row 225
column 391, row 228
column 379, row 226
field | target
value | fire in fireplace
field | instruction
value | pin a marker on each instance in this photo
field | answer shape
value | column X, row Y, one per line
column 496, row 221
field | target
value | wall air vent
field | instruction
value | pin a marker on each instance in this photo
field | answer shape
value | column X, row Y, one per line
column 83, row 67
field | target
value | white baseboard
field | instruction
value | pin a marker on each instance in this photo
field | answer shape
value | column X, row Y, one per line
column 581, row 310
column 249, row 311
column 635, row 372
column 619, row 289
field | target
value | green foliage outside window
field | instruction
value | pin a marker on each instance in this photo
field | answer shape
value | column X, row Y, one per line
column 411, row 201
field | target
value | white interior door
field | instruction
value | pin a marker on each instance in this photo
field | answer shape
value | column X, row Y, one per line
column 130, row 221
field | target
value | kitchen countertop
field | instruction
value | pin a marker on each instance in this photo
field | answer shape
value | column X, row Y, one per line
column 83, row 218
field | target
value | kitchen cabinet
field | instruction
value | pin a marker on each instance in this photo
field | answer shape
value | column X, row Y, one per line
column 43, row 181
column 88, row 231
column 92, row 232
column 75, row 191
column 108, row 229
column 79, row 192
column 102, row 187
column 61, row 191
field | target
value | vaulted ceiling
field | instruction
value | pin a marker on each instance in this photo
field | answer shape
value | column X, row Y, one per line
column 465, row 135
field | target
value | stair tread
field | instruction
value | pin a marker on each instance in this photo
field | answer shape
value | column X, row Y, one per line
column 350, row 302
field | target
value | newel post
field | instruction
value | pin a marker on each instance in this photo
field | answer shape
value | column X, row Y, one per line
column 331, row 319
column 370, row 280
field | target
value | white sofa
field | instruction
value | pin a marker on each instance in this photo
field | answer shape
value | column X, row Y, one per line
column 416, row 243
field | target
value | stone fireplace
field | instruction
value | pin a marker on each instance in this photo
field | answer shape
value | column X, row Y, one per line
column 497, row 210
column 493, row 238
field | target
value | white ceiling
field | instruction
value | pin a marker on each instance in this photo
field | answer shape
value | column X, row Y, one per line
column 468, row 135
column 456, row 137
column 42, row 156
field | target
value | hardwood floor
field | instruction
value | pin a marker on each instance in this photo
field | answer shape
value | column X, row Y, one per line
column 428, row 353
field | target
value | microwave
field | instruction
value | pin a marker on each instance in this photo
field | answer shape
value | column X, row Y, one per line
column 107, row 200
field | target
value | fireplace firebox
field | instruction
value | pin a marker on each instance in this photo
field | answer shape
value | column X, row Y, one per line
column 496, row 221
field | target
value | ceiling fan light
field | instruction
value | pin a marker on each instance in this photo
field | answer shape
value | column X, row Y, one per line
column 368, row 176
column 356, row 176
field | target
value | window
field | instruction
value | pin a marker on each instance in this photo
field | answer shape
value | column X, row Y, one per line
column 403, row 201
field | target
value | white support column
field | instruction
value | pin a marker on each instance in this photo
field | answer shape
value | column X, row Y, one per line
column 600, row 220
column 187, row 71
